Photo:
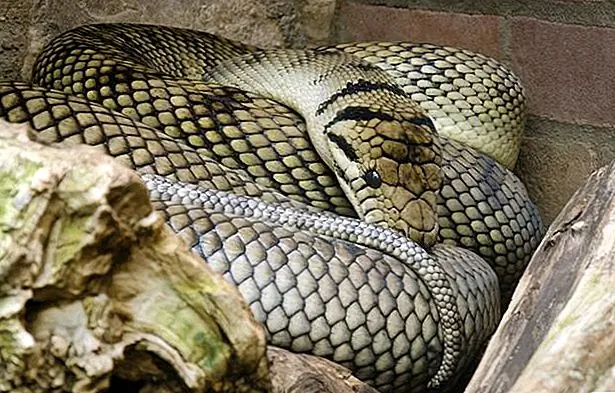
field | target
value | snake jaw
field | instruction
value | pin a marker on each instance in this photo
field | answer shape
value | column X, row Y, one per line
column 393, row 204
column 396, row 147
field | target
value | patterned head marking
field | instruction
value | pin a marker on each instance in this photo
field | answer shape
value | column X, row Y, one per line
column 388, row 163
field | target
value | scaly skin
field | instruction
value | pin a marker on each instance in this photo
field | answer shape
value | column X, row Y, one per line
column 222, row 239
column 380, row 144
column 228, row 139
column 471, row 98
column 496, row 218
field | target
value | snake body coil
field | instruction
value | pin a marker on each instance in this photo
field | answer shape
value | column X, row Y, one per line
column 357, row 293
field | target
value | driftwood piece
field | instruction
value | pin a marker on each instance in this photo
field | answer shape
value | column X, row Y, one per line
column 94, row 286
column 97, row 294
column 293, row 373
column 558, row 335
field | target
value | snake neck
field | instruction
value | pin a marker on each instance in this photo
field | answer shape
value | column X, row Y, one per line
column 381, row 146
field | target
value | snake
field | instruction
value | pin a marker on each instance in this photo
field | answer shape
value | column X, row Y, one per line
column 340, row 188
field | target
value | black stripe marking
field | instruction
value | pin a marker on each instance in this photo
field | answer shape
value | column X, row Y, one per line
column 343, row 144
column 360, row 66
column 357, row 113
column 423, row 121
column 359, row 86
column 338, row 171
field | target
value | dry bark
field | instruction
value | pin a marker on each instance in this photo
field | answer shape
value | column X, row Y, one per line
column 97, row 293
column 95, row 286
column 558, row 335
column 294, row 373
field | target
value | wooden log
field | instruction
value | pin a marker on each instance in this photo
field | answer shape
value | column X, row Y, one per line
column 295, row 373
column 94, row 286
column 97, row 294
column 558, row 334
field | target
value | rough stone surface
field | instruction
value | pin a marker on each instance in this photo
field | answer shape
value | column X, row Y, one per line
column 578, row 12
column 91, row 278
column 557, row 158
column 13, row 36
column 27, row 26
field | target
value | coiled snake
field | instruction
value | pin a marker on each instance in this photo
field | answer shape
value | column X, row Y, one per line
column 236, row 174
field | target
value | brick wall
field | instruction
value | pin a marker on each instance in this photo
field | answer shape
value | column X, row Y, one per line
column 564, row 52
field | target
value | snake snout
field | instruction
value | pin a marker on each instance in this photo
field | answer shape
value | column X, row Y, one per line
column 395, row 206
column 409, row 164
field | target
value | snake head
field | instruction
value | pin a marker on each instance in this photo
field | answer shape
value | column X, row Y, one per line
column 387, row 161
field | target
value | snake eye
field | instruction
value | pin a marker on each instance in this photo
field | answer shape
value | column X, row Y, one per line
column 372, row 178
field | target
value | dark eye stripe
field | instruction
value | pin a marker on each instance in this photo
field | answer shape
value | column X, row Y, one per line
column 357, row 113
column 360, row 85
column 343, row 144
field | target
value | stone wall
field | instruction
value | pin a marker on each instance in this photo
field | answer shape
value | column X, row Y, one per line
column 562, row 49
column 26, row 25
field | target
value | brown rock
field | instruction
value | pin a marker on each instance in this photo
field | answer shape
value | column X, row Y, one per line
column 27, row 26
column 94, row 286
column 567, row 70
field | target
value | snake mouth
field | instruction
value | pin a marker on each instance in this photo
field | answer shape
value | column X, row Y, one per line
column 415, row 218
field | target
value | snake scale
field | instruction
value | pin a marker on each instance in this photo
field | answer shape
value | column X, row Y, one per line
column 236, row 172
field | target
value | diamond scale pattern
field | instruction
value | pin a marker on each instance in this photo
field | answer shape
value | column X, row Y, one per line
column 141, row 83
column 137, row 81
column 478, row 196
column 491, row 212
column 372, row 315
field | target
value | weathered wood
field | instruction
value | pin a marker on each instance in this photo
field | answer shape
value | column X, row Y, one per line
column 558, row 335
column 294, row 373
column 93, row 285
column 111, row 298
